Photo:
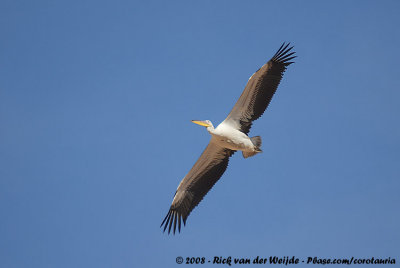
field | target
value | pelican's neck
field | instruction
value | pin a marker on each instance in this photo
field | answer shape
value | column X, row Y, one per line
column 211, row 129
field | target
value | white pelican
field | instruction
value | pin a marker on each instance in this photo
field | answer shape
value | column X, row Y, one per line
column 228, row 137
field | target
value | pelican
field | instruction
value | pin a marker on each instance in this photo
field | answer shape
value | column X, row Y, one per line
column 228, row 137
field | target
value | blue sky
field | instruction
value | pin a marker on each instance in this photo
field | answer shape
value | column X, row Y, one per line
column 96, row 99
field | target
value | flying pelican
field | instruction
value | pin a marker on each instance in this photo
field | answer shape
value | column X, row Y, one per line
column 228, row 137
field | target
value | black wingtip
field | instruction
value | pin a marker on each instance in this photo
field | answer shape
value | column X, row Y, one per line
column 166, row 220
column 171, row 221
column 175, row 220
column 283, row 55
column 179, row 223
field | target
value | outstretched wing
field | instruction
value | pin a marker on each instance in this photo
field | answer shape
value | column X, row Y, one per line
column 259, row 90
column 196, row 184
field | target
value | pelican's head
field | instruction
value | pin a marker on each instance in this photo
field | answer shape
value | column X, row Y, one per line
column 205, row 123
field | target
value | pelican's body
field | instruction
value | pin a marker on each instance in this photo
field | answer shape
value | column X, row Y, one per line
column 227, row 138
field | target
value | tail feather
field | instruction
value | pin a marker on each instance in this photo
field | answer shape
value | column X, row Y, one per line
column 257, row 144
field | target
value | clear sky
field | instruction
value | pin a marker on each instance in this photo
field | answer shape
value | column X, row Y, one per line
column 96, row 99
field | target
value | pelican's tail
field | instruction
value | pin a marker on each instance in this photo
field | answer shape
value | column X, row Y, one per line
column 257, row 144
